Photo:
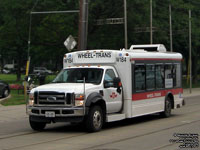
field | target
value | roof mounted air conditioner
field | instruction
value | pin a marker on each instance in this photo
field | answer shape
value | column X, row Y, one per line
column 152, row 47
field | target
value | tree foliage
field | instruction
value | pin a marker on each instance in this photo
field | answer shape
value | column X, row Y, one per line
column 49, row 31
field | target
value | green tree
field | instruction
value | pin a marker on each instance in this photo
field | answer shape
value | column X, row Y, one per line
column 13, row 31
column 49, row 31
column 47, row 35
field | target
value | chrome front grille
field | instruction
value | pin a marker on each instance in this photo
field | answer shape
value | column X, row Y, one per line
column 53, row 98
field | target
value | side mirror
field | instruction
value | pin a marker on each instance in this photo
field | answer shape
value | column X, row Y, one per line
column 106, row 84
column 117, row 82
column 27, row 78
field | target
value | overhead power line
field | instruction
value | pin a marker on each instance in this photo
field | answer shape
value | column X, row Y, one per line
column 56, row 12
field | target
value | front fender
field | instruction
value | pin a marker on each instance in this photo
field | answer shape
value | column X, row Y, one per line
column 97, row 99
column 93, row 98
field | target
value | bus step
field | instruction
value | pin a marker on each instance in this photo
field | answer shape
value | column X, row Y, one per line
column 114, row 117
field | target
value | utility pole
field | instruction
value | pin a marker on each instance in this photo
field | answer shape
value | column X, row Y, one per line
column 190, row 51
column 83, row 25
column 170, row 27
column 151, row 32
column 125, row 25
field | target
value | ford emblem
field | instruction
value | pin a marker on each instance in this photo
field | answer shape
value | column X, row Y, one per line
column 51, row 98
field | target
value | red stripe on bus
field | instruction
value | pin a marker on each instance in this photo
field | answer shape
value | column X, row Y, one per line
column 133, row 59
column 155, row 94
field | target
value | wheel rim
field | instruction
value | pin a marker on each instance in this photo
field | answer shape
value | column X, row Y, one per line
column 97, row 119
column 168, row 107
column 6, row 93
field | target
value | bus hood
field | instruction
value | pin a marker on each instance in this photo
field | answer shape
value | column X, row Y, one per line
column 77, row 88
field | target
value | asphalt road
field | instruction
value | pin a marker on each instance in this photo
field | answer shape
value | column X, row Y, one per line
column 143, row 133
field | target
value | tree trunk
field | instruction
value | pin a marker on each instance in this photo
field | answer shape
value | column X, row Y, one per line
column 19, row 67
column 18, row 72
column 195, row 69
column 2, row 64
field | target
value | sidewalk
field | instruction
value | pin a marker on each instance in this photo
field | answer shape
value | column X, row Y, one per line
column 10, row 113
column 195, row 92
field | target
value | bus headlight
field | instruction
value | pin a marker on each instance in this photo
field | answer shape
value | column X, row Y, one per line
column 79, row 99
column 31, row 99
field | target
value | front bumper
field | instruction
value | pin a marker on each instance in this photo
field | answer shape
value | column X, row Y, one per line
column 76, row 119
column 59, row 111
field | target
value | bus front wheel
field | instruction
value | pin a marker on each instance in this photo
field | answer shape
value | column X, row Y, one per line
column 37, row 126
column 94, row 120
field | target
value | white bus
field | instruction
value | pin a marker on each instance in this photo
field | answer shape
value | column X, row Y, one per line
column 98, row 86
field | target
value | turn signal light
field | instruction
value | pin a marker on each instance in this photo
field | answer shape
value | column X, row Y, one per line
column 79, row 97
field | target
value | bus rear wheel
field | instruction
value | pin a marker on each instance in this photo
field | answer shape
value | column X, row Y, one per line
column 168, row 107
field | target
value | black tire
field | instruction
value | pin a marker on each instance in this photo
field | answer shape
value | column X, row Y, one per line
column 168, row 107
column 37, row 126
column 94, row 119
column 5, row 92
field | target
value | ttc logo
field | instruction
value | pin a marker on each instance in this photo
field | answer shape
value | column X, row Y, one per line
column 113, row 95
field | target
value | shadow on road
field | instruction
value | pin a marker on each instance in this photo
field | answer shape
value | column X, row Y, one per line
column 77, row 128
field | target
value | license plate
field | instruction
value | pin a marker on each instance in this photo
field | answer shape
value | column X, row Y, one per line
column 49, row 114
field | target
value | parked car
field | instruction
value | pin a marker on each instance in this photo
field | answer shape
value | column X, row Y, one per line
column 6, row 71
column 4, row 89
column 41, row 70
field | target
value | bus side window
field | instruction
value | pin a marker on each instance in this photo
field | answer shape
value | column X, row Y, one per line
column 174, row 74
column 150, row 77
column 168, row 76
column 160, row 76
column 139, row 73
column 177, row 75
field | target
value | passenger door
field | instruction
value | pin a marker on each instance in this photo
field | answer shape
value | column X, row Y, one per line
column 111, row 96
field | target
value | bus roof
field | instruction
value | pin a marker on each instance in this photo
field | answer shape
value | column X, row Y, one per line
column 110, row 56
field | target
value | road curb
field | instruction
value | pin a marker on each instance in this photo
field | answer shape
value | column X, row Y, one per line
column 195, row 92
column 2, row 99
column 192, row 95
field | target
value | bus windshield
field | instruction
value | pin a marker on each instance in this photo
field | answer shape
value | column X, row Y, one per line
column 78, row 75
